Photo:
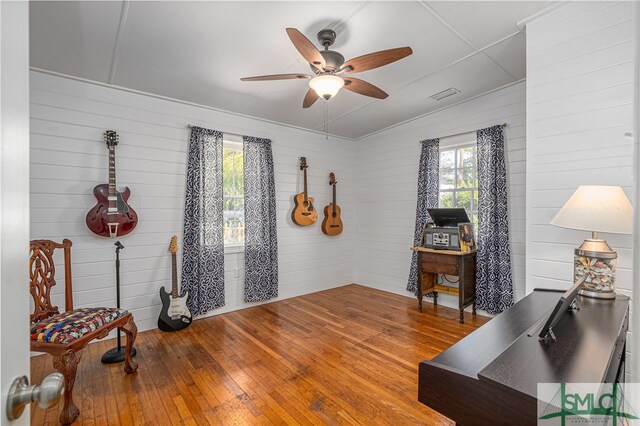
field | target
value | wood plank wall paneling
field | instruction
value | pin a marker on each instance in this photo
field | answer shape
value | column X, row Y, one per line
column 579, row 105
column 386, row 183
column 68, row 158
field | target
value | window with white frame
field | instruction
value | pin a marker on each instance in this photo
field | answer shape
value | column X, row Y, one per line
column 233, row 193
column 459, row 179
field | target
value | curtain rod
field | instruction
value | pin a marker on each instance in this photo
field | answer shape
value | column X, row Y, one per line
column 464, row 133
column 227, row 133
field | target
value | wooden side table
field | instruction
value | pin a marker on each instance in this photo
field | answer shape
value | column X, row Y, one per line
column 461, row 264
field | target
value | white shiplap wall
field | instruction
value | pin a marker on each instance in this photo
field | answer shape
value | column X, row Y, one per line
column 579, row 104
column 580, row 80
column 68, row 158
column 386, row 183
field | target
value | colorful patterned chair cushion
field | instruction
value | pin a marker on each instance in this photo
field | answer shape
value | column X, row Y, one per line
column 72, row 325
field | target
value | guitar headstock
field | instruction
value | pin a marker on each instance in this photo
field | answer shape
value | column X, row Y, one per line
column 303, row 163
column 111, row 138
column 332, row 179
column 173, row 246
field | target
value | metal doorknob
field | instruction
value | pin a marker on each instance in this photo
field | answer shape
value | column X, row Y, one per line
column 20, row 394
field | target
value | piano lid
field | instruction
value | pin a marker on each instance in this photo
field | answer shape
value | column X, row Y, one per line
column 493, row 338
column 581, row 354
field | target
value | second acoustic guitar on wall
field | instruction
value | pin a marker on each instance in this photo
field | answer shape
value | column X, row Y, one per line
column 304, row 213
column 332, row 223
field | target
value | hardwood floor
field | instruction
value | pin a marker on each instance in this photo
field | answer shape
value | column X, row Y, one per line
column 343, row 356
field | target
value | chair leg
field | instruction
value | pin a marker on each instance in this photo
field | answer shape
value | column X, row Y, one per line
column 131, row 330
column 67, row 364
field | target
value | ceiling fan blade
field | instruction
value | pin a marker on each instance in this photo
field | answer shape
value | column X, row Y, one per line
column 363, row 88
column 276, row 77
column 309, row 98
column 376, row 59
column 306, row 48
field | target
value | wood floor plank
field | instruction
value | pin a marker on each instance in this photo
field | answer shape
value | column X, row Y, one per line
column 345, row 356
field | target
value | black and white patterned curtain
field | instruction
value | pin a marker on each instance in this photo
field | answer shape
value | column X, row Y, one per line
column 203, row 244
column 494, row 288
column 261, row 240
column 428, row 189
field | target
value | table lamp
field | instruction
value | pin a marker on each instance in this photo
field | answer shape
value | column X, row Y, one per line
column 596, row 209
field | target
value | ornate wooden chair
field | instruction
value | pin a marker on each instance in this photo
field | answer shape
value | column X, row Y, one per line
column 65, row 334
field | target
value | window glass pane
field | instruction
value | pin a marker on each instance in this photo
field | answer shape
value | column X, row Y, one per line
column 232, row 205
column 465, row 178
column 463, row 199
column 458, row 180
column 446, row 199
column 447, row 159
column 465, row 157
column 233, row 231
column 238, row 162
column 447, row 179
column 240, row 180
column 474, row 219
column 233, row 190
column 227, row 161
column 231, row 187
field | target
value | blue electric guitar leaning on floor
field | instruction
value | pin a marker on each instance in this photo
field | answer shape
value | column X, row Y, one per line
column 175, row 314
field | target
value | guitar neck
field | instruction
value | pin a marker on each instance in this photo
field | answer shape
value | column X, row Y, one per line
column 174, row 276
column 334, row 197
column 112, row 171
column 305, row 184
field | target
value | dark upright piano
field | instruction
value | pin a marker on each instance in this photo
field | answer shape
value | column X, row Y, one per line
column 490, row 377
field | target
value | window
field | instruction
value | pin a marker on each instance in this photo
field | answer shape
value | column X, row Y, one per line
column 459, row 180
column 233, row 190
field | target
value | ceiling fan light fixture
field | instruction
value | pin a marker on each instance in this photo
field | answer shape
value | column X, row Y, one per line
column 327, row 85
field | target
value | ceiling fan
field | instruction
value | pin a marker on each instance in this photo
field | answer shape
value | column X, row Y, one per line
column 329, row 66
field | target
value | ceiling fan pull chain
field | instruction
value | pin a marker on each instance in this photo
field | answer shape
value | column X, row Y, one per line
column 326, row 120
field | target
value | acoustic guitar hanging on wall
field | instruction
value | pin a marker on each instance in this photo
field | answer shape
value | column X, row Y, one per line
column 111, row 216
column 332, row 223
column 304, row 214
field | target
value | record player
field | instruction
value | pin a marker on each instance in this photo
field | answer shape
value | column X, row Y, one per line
column 442, row 233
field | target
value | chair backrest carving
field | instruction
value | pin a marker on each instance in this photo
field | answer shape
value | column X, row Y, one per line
column 42, row 274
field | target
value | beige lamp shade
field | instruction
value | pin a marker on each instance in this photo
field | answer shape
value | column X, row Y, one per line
column 597, row 209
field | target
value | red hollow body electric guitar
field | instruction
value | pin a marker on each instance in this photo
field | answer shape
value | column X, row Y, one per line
column 112, row 216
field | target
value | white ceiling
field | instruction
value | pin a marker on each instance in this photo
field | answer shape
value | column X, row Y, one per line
column 197, row 52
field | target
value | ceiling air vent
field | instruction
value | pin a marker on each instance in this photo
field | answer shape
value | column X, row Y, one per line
column 444, row 94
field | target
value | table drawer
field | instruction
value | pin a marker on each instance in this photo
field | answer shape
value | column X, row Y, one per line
column 440, row 268
column 439, row 258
